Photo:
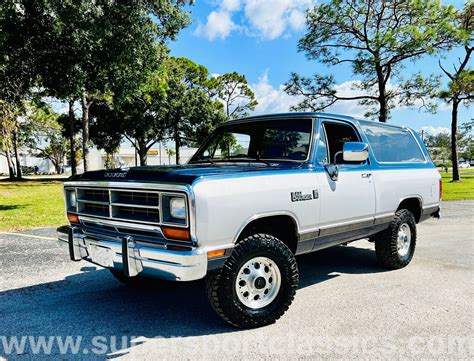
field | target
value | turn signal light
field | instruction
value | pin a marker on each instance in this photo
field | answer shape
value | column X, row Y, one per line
column 216, row 253
column 73, row 218
column 176, row 233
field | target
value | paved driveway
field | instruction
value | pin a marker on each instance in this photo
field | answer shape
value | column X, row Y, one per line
column 347, row 306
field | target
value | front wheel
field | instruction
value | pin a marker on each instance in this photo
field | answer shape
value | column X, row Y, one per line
column 257, row 283
column 395, row 246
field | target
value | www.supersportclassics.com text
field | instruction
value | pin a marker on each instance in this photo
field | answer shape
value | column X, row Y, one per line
column 296, row 344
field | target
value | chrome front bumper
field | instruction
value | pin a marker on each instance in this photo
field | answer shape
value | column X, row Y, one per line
column 134, row 259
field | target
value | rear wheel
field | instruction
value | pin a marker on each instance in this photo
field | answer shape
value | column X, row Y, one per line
column 257, row 283
column 395, row 246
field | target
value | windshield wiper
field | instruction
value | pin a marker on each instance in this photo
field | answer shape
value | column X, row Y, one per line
column 252, row 159
column 203, row 160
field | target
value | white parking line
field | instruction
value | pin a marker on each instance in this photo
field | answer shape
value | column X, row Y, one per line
column 27, row 235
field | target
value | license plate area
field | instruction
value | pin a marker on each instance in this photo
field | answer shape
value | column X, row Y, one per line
column 101, row 255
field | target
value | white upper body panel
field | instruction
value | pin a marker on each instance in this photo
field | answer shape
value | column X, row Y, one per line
column 225, row 205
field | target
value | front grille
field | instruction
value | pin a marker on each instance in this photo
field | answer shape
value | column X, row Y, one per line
column 93, row 209
column 136, row 198
column 95, row 195
column 137, row 214
column 136, row 206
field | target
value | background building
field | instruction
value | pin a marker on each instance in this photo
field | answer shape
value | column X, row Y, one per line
column 98, row 159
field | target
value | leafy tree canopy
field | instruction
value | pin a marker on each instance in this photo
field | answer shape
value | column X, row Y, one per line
column 376, row 38
column 175, row 102
column 234, row 92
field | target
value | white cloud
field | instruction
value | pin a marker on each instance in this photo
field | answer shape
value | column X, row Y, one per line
column 436, row 130
column 297, row 19
column 348, row 88
column 268, row 19
column 230, row 5
column 274, row 99
column 270, row 99
column 219, row 24
column 272, row 18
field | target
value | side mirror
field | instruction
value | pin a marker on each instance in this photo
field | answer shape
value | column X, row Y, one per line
column 355, row 152
column 333, row 171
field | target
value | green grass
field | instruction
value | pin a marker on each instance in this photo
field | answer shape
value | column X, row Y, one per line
column 31, row 204
column 458, row 190
column 40, row 203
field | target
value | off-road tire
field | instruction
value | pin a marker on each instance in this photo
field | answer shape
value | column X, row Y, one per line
column 220, row 285
column 386, row 241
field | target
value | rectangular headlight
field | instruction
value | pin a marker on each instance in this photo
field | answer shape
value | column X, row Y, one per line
column 178, row 208
column 174, row 208
column 71, row 201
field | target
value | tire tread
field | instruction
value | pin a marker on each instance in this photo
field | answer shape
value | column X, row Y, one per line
column 215, row 281
column 386, row 241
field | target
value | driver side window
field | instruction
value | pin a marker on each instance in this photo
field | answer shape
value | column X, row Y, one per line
column 336, row 134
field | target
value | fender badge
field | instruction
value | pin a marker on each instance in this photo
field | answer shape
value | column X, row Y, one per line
column 115, row 175
column 299, row 196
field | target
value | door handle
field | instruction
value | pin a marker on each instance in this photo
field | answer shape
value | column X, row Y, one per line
column 366, row 175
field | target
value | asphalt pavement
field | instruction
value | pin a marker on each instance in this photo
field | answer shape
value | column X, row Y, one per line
column 347, row 307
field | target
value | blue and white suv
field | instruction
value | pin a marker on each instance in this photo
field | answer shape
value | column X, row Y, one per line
column 257, row 193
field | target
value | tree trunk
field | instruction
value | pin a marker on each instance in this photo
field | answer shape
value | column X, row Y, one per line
column 57, row 167
column 176, row 143
column 17, row 154
column 383, row 111
column 72, row 140
column 85, row 131
column 11, row 168
column 454, row 141
column 142, row 150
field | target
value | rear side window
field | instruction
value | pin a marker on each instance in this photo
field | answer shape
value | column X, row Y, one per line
column 393, row 145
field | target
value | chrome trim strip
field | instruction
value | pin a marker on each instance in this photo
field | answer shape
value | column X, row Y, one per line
column 384, row 218
column 121, row 224
column 134, row 205
column 138, row 223
column 305, row 236
column 345, row 226
column 349, row 226
column 430, row 209
column 128, row 185
column 355, row 221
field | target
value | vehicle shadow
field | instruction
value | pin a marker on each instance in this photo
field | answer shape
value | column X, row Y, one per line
column 331, row 262
column 92, row 303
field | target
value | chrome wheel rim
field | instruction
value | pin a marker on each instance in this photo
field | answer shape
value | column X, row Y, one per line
column 403, row 240
column 258, row 282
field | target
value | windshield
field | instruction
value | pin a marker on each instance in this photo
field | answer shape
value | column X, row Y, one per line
column 262, row 140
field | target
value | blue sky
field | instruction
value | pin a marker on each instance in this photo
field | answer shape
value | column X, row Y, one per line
column 258, row 38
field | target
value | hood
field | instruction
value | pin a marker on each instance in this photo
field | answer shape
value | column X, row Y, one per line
column 184, row 174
